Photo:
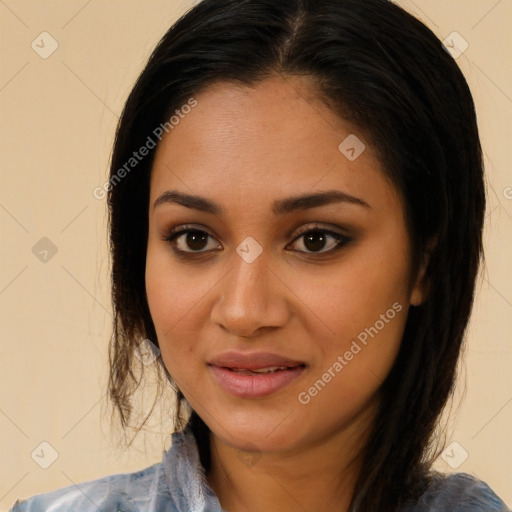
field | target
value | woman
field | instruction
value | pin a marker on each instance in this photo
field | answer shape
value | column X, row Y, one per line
column 296, row 207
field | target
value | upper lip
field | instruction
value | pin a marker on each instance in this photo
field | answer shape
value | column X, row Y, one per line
column 253, row 361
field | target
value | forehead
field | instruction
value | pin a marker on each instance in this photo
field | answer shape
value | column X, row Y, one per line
column 274, row 138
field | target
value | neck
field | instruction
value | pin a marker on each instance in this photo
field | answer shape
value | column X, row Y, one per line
column 318, row 476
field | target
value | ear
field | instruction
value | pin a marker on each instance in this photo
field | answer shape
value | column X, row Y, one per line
column 419, row 291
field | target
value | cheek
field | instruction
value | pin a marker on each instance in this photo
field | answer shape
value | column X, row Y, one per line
column 353, row 367
column 365, row 308
column 174, row 299
column 356, row 296
column 159, row 290
column 171, row 292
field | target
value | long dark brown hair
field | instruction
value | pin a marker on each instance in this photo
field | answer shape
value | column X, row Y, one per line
column 380, row 68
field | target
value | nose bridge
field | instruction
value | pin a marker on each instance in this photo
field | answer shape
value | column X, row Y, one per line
column 247, row 283
column 249, row 296
column 249, row 274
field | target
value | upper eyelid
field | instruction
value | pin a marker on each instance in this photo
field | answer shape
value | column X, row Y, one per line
column 179, row 230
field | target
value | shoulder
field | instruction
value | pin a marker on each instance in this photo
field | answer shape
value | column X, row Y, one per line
column 457, row 492
column 128, row 492
column 177, row 483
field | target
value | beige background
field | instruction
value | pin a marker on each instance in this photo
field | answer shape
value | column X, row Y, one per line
column 57, row 122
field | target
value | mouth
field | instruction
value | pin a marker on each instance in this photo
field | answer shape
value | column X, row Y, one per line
column 254, row 375
column 260, row 371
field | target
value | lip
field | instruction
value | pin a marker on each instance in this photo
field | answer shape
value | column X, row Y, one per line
column 252, row 361
column 224, row 366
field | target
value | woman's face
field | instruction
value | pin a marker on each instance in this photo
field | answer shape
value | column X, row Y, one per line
column 278, row 336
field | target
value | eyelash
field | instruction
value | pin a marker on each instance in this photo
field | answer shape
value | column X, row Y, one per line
column 175, row 233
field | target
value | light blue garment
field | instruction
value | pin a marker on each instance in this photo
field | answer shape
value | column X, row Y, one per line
column 178, row 484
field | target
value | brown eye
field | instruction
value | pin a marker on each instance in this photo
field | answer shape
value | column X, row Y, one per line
column 315, row 240
column 189, row 241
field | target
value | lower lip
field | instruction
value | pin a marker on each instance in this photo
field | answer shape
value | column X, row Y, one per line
column 254, row 386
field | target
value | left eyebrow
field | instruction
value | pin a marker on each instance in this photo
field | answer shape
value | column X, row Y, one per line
column 279, row 207
column 305, row 202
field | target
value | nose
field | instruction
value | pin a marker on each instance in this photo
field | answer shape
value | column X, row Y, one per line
column 253, row 298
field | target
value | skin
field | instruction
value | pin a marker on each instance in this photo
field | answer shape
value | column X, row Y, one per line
column 244, row 147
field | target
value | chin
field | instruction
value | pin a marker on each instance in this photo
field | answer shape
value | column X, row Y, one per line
column 266, row 431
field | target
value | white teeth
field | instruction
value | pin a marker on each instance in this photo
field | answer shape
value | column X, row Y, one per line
column 270, row 369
